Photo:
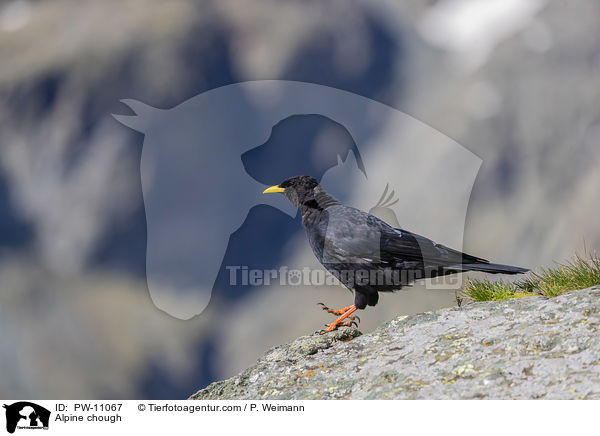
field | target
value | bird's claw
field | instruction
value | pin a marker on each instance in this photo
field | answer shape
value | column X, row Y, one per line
column 331, row 327
column 324, row 307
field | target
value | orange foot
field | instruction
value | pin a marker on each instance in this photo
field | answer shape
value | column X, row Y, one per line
column 340, row 321
column 339, row 312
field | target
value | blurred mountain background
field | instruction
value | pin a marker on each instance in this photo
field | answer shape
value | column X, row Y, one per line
column 516, row 82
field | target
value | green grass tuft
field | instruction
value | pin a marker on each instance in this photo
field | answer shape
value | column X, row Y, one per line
column 578, row 273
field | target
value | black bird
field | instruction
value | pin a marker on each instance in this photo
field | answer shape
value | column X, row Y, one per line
column 365, row 253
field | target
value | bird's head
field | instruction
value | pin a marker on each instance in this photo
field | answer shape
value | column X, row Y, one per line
column 300, row 190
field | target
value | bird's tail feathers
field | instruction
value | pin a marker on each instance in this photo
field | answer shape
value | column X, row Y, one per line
column 491, row 268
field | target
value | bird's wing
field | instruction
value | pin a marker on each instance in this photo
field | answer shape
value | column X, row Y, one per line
column 348, row 237
column 354, row 236
column 351, row 236
column 404, row 244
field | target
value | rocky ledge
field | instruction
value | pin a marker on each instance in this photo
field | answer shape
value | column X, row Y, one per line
column 525, row 348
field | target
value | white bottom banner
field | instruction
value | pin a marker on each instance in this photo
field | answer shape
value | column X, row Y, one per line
column 298, row 417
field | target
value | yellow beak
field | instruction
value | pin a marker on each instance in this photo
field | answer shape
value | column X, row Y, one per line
column 273, row 189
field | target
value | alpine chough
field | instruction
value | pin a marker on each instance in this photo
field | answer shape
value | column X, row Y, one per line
column 366, row 254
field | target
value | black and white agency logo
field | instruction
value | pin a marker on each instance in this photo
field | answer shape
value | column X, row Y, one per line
column 26, row 415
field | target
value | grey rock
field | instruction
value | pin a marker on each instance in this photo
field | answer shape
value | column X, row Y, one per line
column 526, row 348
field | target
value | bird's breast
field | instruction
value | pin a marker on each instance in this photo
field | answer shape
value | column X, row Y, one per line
column 315, row 226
